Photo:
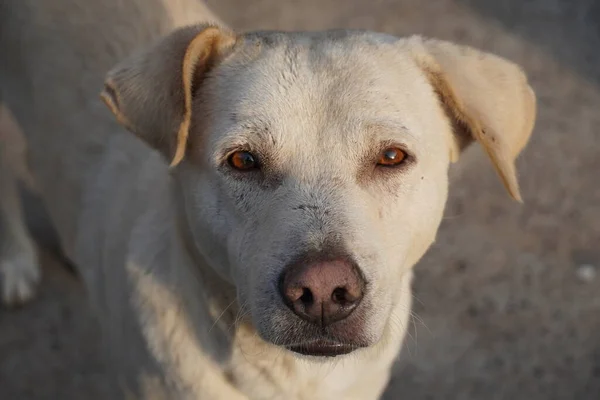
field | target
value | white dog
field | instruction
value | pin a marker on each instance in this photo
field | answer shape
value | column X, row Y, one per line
column 308, row 175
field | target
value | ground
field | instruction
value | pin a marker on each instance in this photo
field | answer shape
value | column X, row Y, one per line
column 505, row 305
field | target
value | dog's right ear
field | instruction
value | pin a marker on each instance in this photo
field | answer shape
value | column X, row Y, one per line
column 151, row 92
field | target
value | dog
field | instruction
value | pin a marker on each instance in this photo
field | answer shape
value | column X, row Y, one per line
column 245, row 210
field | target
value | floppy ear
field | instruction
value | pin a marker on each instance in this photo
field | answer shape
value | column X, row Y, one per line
column 151, row 92
column 487, row 99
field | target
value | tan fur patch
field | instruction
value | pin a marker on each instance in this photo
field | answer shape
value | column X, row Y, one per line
column 110, row 97
column 202, row 53
column 503, row 137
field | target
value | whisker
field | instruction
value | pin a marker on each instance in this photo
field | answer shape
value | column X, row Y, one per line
column 221, row 315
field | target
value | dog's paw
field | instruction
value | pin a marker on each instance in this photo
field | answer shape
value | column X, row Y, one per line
column 19, row 277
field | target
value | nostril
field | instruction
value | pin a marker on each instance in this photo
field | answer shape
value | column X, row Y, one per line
column 339, row 296
column 307, row 297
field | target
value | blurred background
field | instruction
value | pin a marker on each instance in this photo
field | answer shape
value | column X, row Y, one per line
column 507, row 302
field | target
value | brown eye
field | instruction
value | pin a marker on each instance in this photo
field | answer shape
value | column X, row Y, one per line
column 391, row 157
column 242, row 161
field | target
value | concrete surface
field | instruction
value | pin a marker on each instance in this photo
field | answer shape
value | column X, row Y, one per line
column 502, row 310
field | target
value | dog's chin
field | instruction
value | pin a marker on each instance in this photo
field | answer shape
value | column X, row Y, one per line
column 323, row 348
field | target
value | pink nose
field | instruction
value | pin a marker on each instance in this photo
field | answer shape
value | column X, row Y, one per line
column 322, row 292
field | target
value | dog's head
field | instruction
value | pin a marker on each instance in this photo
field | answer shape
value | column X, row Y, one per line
column 313, row 166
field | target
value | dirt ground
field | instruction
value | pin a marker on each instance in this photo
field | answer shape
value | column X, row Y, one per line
column 503, row 309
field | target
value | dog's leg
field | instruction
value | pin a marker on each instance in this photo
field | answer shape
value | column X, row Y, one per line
column 19, row 267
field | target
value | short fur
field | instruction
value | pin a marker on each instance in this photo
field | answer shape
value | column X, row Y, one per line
column 181, row 263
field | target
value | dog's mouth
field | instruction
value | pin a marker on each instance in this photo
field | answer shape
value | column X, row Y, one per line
column 323, row 348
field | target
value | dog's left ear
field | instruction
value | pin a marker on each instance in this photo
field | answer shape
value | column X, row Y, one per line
column 487, row 99
column 151, row 92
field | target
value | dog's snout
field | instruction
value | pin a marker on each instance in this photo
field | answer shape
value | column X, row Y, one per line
column 322, row 292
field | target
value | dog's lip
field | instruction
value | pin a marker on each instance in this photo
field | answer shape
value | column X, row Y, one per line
column 323, row 348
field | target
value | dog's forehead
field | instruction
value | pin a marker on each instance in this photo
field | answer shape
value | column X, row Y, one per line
column 325, row 81
column 356, row 60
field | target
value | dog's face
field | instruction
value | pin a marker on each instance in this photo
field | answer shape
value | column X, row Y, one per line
column 313, row 167
column 316, row 150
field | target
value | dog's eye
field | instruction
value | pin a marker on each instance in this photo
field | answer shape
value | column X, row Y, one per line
column 391, row 157
column 242, row 161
